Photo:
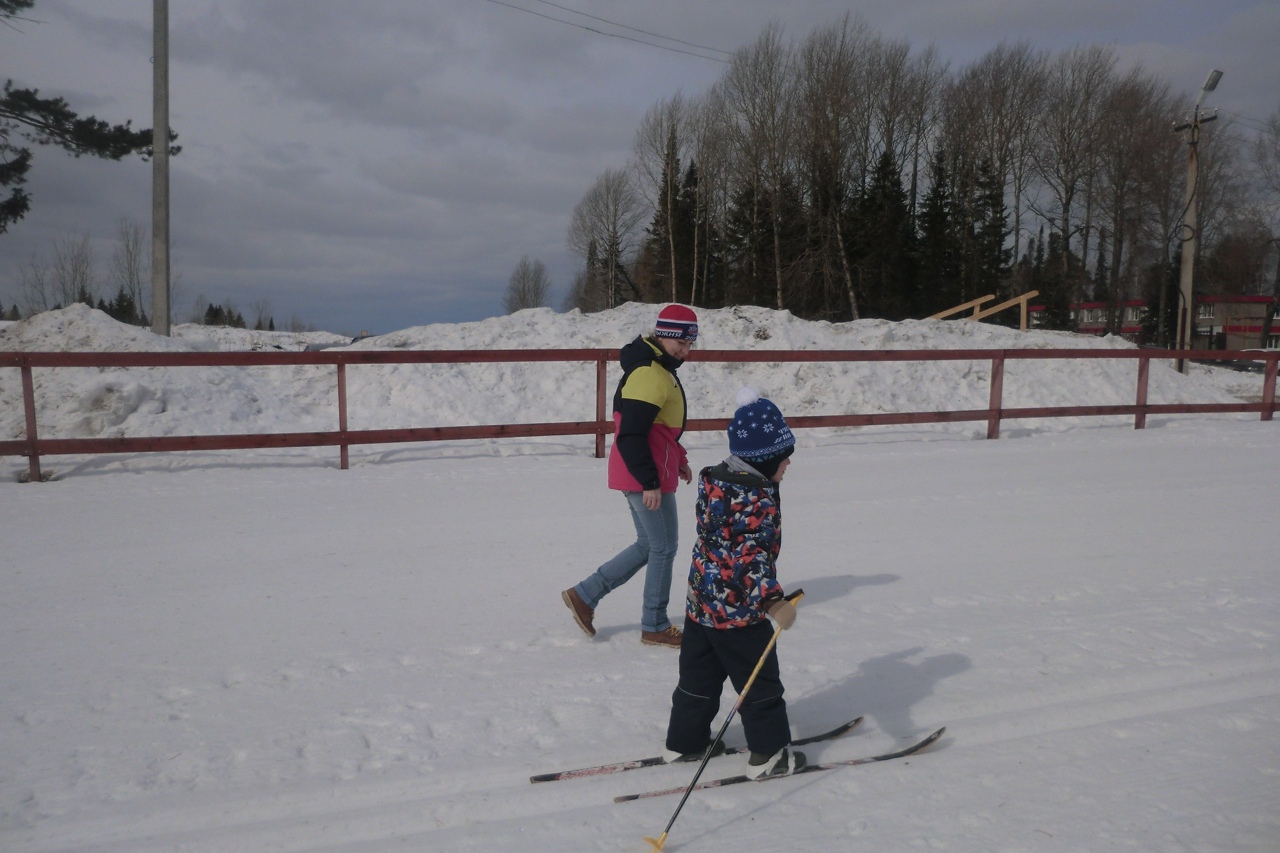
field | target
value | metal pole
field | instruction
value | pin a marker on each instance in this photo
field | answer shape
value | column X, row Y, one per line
column 160, row 170
column 1186, row 330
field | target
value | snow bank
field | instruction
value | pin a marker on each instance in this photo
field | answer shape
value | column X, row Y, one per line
column 77, row 403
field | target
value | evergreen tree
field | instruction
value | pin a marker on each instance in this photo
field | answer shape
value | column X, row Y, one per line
column 1053, row 288
column 122, row 307
column 992, row 231
column 749, row 247
column 980, row 222
column 886, row 252
column 50, row 121
column 938, row 276
column 749, row 244
column 673, row 228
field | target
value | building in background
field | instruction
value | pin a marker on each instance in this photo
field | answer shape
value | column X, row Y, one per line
column 1221, row 322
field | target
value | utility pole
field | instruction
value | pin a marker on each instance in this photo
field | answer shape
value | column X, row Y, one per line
column 1190, row 231
column 160, row 169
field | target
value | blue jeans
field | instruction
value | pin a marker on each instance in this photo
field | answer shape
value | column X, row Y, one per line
column 657, row 532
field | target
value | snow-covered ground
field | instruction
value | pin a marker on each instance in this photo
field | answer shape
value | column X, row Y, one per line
column 251, row 651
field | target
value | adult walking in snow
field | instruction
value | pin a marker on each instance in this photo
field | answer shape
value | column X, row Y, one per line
column 733, row 587
column 645, row 464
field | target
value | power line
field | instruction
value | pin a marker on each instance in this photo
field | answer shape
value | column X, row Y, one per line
column 1248, row 121
column 614, row 35
column 634, row 29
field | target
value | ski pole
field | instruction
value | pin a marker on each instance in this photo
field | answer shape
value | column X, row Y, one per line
column 660, row 842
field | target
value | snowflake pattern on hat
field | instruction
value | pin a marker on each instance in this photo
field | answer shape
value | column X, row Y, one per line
column 758, row 429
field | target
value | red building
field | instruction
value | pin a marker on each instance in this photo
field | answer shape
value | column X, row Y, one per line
column 1221, row 322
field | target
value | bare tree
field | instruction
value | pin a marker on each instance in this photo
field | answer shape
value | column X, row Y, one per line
column 1222, row 184
column 1164, row 187
column 1067, row 135
column 1133, row 126
column 34, row 286
column 710, row 150
column 65, row 279
column 992, row 109
column 72, row 271
column 1266, row 159
column 660, row 147
column 261, row 309
column 527, row 287
column 759, row 88
column 131, row 261
column 603, row 230
column 830, row 71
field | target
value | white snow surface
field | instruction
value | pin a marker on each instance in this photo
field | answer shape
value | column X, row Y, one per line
column 257, row 651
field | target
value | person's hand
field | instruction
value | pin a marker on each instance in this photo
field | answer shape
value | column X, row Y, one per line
column 652, row 498
column 686, row 473
column 783, row 612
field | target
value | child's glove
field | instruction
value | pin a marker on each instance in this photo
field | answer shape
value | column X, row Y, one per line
column 783, row 612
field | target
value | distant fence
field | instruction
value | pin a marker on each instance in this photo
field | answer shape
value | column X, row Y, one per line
column 34, row 447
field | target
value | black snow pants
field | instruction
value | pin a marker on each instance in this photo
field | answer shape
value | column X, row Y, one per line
column 707, row 657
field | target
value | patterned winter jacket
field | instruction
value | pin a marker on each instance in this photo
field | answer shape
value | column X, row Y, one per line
column 739, row 522
column 649, row 418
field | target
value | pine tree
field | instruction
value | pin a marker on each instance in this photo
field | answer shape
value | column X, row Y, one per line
column 1053, row 287
column 886, row 253
column 991, row 230
column 50, row 121
column 938, row 275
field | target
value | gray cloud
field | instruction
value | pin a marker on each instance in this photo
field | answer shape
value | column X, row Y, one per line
column 386, row 163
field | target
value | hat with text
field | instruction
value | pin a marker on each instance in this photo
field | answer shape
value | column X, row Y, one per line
column 677, row 321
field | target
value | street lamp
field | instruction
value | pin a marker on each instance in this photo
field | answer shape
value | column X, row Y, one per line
column 1190, row 230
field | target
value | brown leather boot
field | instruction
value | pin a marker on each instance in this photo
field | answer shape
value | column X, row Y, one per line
column 582, row 614
column 670, row 637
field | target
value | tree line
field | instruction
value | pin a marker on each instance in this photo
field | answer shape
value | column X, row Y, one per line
column 847, row 176
column 69, row 273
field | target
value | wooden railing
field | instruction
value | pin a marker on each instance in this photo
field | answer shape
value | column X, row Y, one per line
column 980, row 313
column 34, row 447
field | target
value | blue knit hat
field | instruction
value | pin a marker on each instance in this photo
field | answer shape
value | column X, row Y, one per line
column 758, row 431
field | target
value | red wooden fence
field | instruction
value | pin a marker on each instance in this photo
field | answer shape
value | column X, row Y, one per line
column 33, row 447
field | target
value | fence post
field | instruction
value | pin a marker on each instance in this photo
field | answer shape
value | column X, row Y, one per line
column 1144, row 373
column 1269, row 388
column 29, row 403
column 342, row 412
column 997, row 391
column 602, row 375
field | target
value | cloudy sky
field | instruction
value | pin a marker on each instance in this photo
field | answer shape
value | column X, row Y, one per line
column 379, row 164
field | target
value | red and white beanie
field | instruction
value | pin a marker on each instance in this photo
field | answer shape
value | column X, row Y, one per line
column 677, row 321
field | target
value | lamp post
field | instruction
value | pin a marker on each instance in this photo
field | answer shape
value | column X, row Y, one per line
column 1190, row 232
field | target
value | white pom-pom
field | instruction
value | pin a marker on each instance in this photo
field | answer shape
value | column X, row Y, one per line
column 747, row 396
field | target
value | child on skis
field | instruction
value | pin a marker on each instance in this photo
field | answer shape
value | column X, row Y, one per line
column 733, row 586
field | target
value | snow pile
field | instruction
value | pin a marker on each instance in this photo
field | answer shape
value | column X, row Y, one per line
column 216, row 400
